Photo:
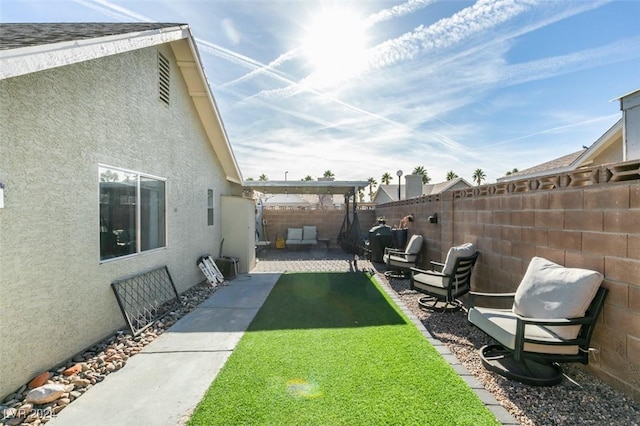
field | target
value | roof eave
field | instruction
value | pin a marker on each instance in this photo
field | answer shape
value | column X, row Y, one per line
column 27, row 60
column 190, row 65
column 603, row 141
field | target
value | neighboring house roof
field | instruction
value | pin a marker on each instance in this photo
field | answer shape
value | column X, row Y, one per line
column 587, row 156
column 437, row 188
column 388, row 193
column 557, row 163
column 33, row 47
column 626, row 95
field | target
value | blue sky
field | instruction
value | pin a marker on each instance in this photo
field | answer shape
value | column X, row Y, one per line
column 367, row 87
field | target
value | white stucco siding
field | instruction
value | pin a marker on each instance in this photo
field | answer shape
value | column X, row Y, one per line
column 56, row 127
column 611, row 153
column 631, row 116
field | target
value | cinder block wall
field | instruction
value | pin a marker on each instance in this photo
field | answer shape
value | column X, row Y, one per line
column 587, row 219
column 328, row 222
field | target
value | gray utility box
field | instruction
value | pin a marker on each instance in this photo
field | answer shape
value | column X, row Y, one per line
column 228, row 266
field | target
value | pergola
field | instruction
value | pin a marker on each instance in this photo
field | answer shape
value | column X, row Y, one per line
column 320, row 187
column 350, row 236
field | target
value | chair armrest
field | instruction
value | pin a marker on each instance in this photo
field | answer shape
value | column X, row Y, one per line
column 500, row 297
column 437, row 264
column 481, row 294
column 522, row 322
column 424, row 271
column 555, row 321
column 389, row 250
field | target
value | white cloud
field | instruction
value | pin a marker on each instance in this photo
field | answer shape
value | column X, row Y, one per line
column 397, row 11
column 482, row 16
column 410, row 106
column 113, row 10
column 619, row 51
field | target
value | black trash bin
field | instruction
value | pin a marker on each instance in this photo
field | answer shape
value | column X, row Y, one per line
column 399, row 238
column 380, row 237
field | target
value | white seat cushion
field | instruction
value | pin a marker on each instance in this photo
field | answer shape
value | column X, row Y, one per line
column 294, row 234
column 400, row 260
column 549, row 290
column 501, row 325
column 309, row 233
column 434, row 284
column 464, row 250
column 414, row 245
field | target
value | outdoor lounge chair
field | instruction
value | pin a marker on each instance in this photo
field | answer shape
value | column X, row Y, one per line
column 401, row 260
column 307, row 236
column 552, row 319
column 443, row 288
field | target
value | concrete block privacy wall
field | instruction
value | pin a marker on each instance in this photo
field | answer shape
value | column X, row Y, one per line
column 586, row 219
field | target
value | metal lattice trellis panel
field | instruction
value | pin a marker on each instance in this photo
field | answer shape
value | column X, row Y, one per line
column 145, row 297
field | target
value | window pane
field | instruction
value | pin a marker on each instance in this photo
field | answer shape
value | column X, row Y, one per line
column 117, row 213
column 152, row 213
column 209, row 207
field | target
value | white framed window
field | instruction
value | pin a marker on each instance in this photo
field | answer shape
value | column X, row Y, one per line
column 133, row 216
column 210, row 207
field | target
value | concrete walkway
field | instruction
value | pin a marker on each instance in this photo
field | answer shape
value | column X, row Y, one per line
column 164, row 383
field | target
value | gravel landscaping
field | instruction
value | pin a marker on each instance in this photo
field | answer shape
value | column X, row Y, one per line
column 89, row 368
column 581, row 399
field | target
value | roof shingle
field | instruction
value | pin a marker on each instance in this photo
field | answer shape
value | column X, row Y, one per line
column 17, row 35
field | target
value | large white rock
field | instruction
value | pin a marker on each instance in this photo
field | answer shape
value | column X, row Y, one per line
column 47, row 393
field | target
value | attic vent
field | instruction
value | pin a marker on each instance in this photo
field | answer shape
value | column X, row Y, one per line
column 163, row 78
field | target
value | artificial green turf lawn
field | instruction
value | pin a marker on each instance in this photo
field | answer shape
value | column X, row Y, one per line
column 332, row 349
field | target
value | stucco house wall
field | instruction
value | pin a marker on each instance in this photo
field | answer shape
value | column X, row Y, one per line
column 56, row 127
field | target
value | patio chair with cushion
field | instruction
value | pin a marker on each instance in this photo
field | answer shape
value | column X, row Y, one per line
column 443, row 288
column 400, row 260
column 551, row 321
column 307, row 236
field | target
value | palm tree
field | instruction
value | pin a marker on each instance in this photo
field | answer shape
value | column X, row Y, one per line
column 361, row 195
column 328, row 174
column 372, row 183
column 451, row 175
column 479, row 176
column 422, row 171
column 307, row 178
column 512, row 171
column 263, row 178
column 386, row 178
column 249, row 179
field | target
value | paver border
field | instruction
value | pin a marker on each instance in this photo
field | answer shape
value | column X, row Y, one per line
column 487, row 398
